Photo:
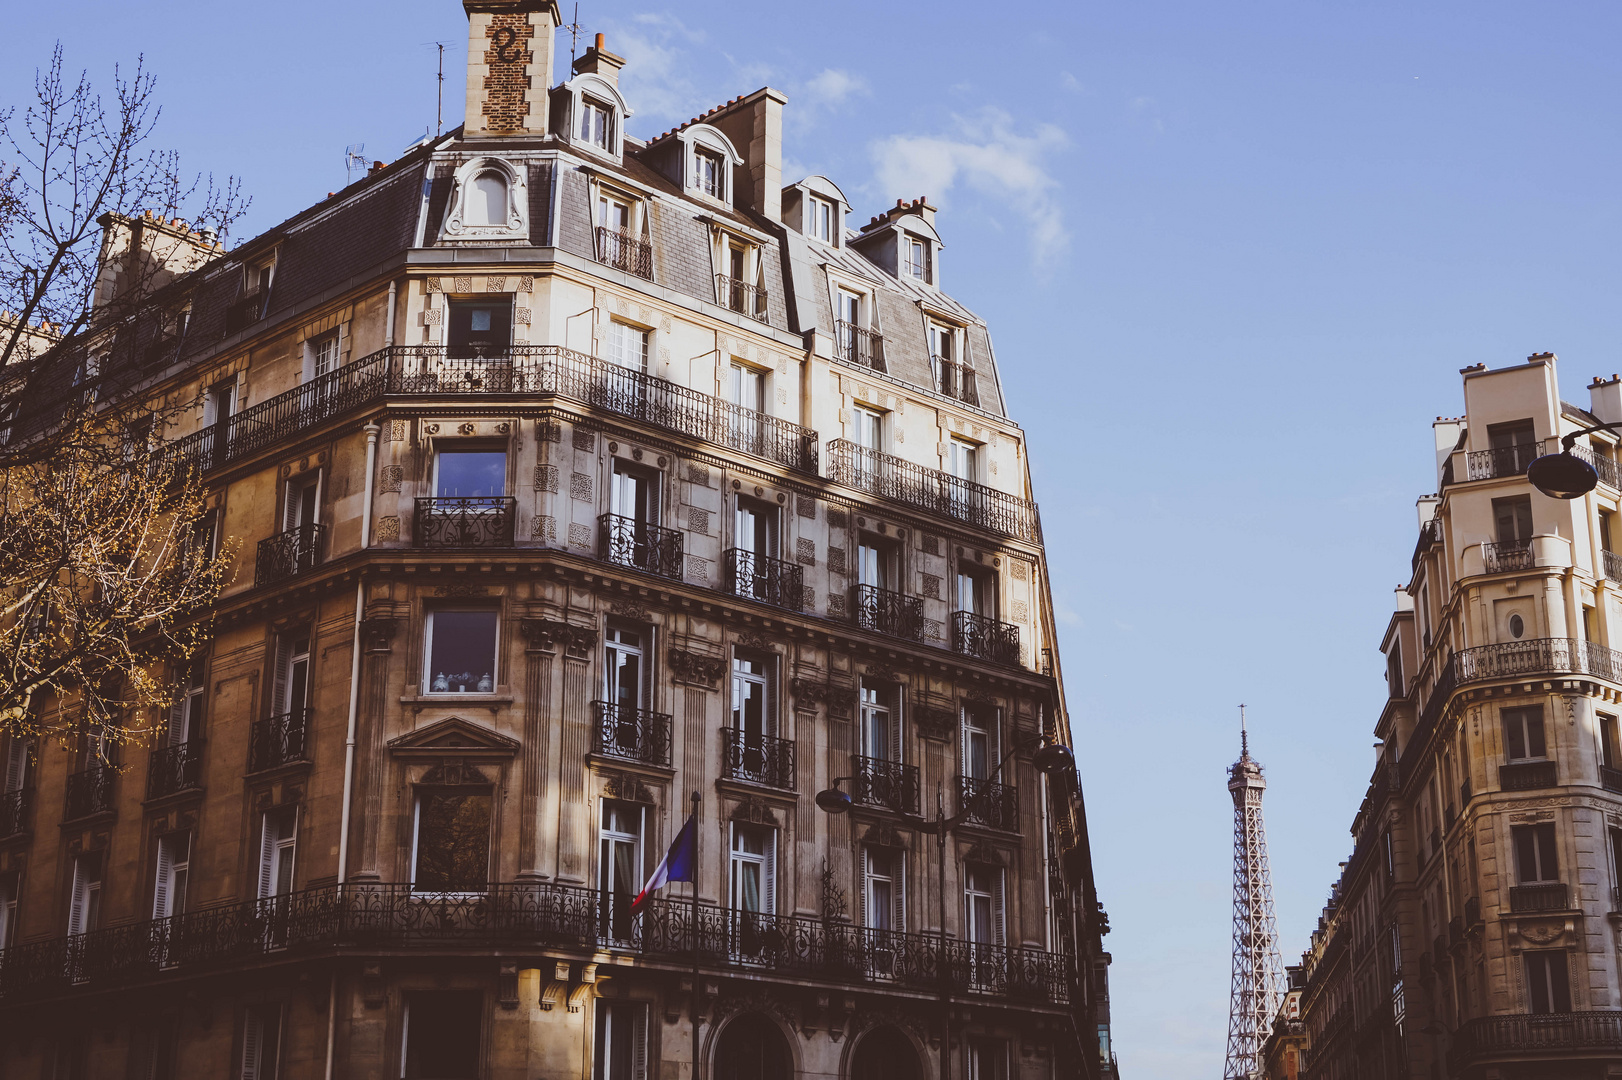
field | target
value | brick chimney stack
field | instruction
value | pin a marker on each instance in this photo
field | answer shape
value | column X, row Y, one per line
column 509, row 67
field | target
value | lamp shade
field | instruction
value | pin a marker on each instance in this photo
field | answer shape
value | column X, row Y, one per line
column 833, row 801
column 1562, row 476
column 1053, row 757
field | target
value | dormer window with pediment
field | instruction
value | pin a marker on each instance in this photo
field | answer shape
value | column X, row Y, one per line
column 817, row 208
column 594, row 115
column 708, row 158
column 490, row 201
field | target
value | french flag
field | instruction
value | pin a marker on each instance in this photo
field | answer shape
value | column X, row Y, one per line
column 677, row 865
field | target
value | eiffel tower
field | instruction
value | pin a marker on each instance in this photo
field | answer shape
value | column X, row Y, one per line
column 1258, row 973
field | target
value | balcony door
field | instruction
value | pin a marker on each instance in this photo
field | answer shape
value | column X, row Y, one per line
column 623, row 669
column 746, row 388
column 980, row 749
column 874, row 564
column 619, row 867
column 754, row 528
column 84, row 906
column 290, row 688
column 976, row 594
column 186, row 715
column 752, row 886
column 634, row 494
column 300, row 502
column 1513, row 446
column 983, row 904
column 278, row 840
column 173, row 869
column 1512, row 521
column 479, row 329
column 881, row 727
column 882, row 906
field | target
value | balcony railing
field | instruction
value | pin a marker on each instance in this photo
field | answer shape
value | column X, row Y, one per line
column 1526, row 775
column 1613, row 565
column 886, row 612
column 933, row 490
column 887, row 784
column 1524, row 1035
column 1507, row 556
column 1610, row 779
column 988, row 803
column 1538, row 656
column 985, row 638
column 759, row 759
column 279, row 740
column 15, row 807
column 289, row 554
column 472, row 521
column 640, row 545
column 525, row 916
column 1472, row 912
column 1604, row 465
column 244, row 312
column 760, row 577
column 955, row 380
column 90, row 792
column 1501, row 461
column 740, row 296
column 636, row 734
column 175, row 768
column 622, row 251
column 858, row 345
column 1545, row 896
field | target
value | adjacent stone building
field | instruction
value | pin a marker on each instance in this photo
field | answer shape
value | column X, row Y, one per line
column 1474, row 931
column 584, row 483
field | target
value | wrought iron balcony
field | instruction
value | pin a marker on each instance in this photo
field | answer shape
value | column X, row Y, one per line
column 740, row 296
column 955, row 380
column 760, row 577
column 175, row 768
column 858, row 345
column 1501, row 461
column 887, row 784
column 640, row 545
column 90, row 792
column 279, row 740
column 1526, row 775
column 1597, row 1032
column 933, row 490
column 637, row 734
column 1604, row 465
column 1472, row 912
column 289, row 554
column 886, row 612
column 523, row 915
column 1507, row 556
column 160, row 350
column 759, row 759
column 1610, row 779
column 988, row 803
column 619, row 249
column 245, row 312
column 985, row 638
column 475, row 521
column 1538, row 656
column 15, row 808
column 1544, row 896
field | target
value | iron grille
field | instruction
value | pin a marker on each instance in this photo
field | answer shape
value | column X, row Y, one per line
column 619, row 249
column 858, row 345
column 759, row 759
column 470, row 521
column 91, row 792
column 1545, row 896
column 279, row 740
column 1610, row 778
column 1538, row 656
column 638, row 734
column 1500, row 461
column 244, row 312
column 886, row 612
column 761, row 577
column 1604, row 465
column 955, row 380
column 988, row 803
column 985, row 638
column 640, row 545
column 175, row 768
column 740, row 296
column 14, row 810
column 290, row 553
column 1526, row 775
column 1517, row 1035
column 1613, row 566
column 1507, row 555
column 887, row 784
column 933, row 490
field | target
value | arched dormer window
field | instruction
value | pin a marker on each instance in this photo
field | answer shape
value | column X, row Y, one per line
column 817, row 208
column 708, row 159
column 596, row 114
column 490, row 202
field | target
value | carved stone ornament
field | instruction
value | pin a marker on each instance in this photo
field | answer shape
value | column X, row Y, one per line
column 882, row 671
column 629, row 609
column 753, row 811
column 809, row 693
column 1543, row 933
column 977, row 696
column 842, row 700
column 454, row 773
column 695, row 669
column 626, row 788
column 984, row 854
column 934, row 722
column 752, row 639
column 883, row 834
column 545, row 635
column 378, row 631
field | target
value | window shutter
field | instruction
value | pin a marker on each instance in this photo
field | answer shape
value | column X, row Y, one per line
column 639, row 1042
column 253, row 1040
column 768, row 902
column 166, row 872
column 278, row 678
column 81, row 895
column 291, row 497
column 998, row 920
column 963, row 740
column 176, row 734
column 267, row 855
column 895, row 729
column 898, row 892
column 16, row 763
column 865, row 886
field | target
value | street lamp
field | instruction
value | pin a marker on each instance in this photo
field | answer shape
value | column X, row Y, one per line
column 1565, row 475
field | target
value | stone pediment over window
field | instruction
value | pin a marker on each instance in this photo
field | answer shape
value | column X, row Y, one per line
column 454, row 736
column 490, row 201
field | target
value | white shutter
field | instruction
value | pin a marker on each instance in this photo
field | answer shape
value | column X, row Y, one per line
column 865, row 886
column 176, row 734
column 733, row 899
column 278, row 677
column 16, row 763
column 639, row 1041
column 268, row 844
column 963, row 722
column 81, row 897
column 998, row 921
column 253, row 1044
column 895, row 727
column 292, row 494
column 898, row 892
column 768, row 901
column 165, row 878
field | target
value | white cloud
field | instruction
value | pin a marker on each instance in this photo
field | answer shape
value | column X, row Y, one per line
column 833, row 87
column 987, row 155
column 655, row 79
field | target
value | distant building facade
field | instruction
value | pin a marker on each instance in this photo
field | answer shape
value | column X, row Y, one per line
column 577, row 476
column 1474, row 932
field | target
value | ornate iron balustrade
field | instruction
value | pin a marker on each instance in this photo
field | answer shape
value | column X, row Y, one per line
column 858, row 345
column 279, row 740
column 1538, row 656
column 90, row 791
column 887, row 784
column 622, row 251
column 1526, row 775
column 984, row 637
column 759, row 759
column 174, row 768
column 637, row 734
column 640, row 545
column 1507, row 555
column 760, row 577
column 472, row 521
column 740, row 296
column 1604, row 465
column 1523, row 1034
column 1613, row 565
column 15, row 807
column 1429, row 533
column 1610, row 779
column 1544, row 896
column 886, row 612
column 289, row 554
column 988, row 803
column 245, row 312
column 1501, row 461
column 525, row 915
column 932, row 490
column 955, row 380
column 1472, row 912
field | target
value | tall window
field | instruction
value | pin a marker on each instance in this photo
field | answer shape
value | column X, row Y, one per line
column 1548, row 989
column 747, row 387
column 1523, row 733
column 261, row 1042
column 874, row 563
column 980, row 743
column 751, row 710
column 622, row 1041
column 300, row 502
column 1512, row 519
column 174, row 867
column 1610, row 752
column 869, row 428
column 915, row 259
column 470, row 474
column 850, row 307
column 976, row 593
column 594, row 123
column 983, row 903
column 8, row 907
column 324, row 355
column 442, row 1034
column 219, row 403
column 622, row 667
column 1514, row 445
column 882, row 901
column 753, row 869
column 479, row 328
column 452, row 849
column 987, row 1059
column 962, row 459
column 619, row 865
column 707, row 173
column 84, row 904
column 881, row 728
column 1616, row 872
column 278, row 841
column 461, row 652
column 755, row 527
column 819, row 219
column 940, row 342
column 290, row 686
column 628, row 346
column 19, row 755
column 485, row 201
column 1535, row 858
column 634, row 493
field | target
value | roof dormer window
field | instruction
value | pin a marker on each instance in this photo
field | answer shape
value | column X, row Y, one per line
column 914, row 258
column 707, row 173
column 489, row 202
column 595, row 122
column 820, row 219
column 486, row 200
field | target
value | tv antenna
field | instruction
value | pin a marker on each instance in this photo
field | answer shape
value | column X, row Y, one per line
column 439, row 106
column 355, row 161
column 574, row 35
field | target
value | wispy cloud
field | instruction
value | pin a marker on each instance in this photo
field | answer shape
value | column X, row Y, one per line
column 988, row 154
column 832, row 87
column 655, row 79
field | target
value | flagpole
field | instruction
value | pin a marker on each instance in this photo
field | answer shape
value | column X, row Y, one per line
column 693, row 1017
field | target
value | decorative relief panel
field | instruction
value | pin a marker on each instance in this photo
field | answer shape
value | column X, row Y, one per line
column 695, row 669
column 388, row 528
column 698, row 474
column 584, row 439
column 698, row 569
column 579, row 535
column 805, row 551
column 836, row 560
column 580, row 486
column 836, row 605
column 391, row 477
column 698, row 520
column 838, row 519
column 545, row 527
column 932, row 587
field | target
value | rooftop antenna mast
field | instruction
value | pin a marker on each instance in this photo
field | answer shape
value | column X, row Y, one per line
column 574, row 35
column 439, row 108
column 1257, row 987
column 354, row 161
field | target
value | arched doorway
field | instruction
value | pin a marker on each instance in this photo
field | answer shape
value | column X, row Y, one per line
column 752, row 1048
column 885, row 1054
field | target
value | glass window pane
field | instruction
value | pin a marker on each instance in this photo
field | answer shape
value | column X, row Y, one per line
column 471, row 473
column 462, row 657
column 453, row 842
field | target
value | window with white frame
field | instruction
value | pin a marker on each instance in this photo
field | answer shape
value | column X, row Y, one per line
column 19, row 764
column 983, row 904
column 278, row 843
column 981, row 744
column 596, row 122
column 485, row 200
column 172, row 872
column 323, row 354
column 290, row 681
column 869, row 425
column 883, row 901
column 752, row 876
column 84, row 902
column 914, row 258
column 614, row 213
column 619, row 865
column 707, row 174
column 881, row 726
column 746, row 386
column 622, row 1041
column 450, row 852
column 8, row 907
column 261, row 1041
column 442, row 1032
column 963, row 459
column 987, row 1059
column 628, row 345
column 461, row 651
column 624, row 684
column 821, row 219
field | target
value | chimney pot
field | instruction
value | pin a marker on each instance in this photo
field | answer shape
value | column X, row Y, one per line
column 600, row 46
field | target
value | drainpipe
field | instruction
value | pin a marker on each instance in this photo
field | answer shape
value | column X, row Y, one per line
column 388, row 332
column 372, row 431
column 349, row 784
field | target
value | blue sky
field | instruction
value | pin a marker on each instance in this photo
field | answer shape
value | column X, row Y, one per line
column 1233, row 257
